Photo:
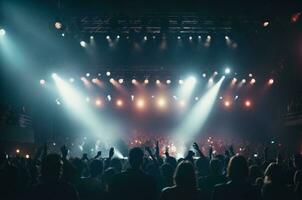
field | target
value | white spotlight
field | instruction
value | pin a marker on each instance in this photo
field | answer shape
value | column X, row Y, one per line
column 121, row 80
column 111, row 80
column 54, row 75
column 204, row 75
column 42, row 82
column 87, row 74
column 145, row 38
column 87, row 99
column 180, row 81
column 191, row 80
column 63, row 34
column 108, row 37
column 199, row 37
column 227, row 70
column 208, row 37
column 58, row 25
column 83, row 43
column 227, row 37
column 146, row 81
column 196, row 98
column 133, row 81
column 190, row 38
column 71, row 80
column 118, row 37
column 91, row 37
column 215, row 73
column 168, row 81
column 109, row 97
column 108, row 73
column 178, row 37
column 211, row 80
column 2, row 32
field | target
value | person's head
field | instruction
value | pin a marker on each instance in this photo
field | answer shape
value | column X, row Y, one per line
column 51, row 168
column 202, row 166
column 238, row 168
column 184, row 175
column 172, row 161
column 96, row 168
column 116, row 163
column 108, row 176
column 167, row 170
column 216, row 166
column 136, row 156
column 298, row 161
column 273, row 174
column 254, row 173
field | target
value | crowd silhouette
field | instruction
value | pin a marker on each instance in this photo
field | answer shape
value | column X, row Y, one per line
column 148, row 175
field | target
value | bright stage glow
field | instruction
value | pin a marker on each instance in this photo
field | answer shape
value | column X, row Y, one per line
column 196, row 98
column 253, row 81
column 83, row 43
column 109, row 97
column 133, row 81
column 98, row 103
column 108, row 37
column 234, row 80
column 2, row 32
column 146, row 81
column 250, row 75
column 27, row 156
column 190, row 38
column 111, row 80
column 226, row 37
column 94, row 80
column 42, row 82
column 58, row 25
column 271, row 81
column 187, row 87
column 63, row 34
column 208, row 37
column 17, row 150
column 180, row 82
column 161, row 102
column 178, row 37
column 157, row 82
column 118, row 37
column 119, row 103
column 227, row 70
column 87, row 74
column 186, row 131
column 91, row 37
column 265, row 24
column 71, row 80
column 236, row 97
column 140, row 103
column 145, row 38
column 215, row 73
column 247, row 103
column 168, row 81
column 182, row 103
column 121, row 81
column 243, row 81
column 227, row 103
column 108, row 73
column 87, row 99
column 204, row 75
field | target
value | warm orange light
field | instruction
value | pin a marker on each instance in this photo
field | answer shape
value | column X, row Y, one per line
column 98, row 102
column 119, row 103
column 182, row 103
column 247, row 103
column 253, row 81
column 271, row 81
column 227, row 103
column 140, row 103
column 158, row 82
column 146, row 81
column 161, row 102
column 17, row 150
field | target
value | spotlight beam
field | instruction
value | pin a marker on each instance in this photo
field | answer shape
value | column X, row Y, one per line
column 197, row 117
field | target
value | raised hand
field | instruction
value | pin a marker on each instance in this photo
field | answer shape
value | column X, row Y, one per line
column 111, row 152
column 99, row 154
column 195, row 146
column 64, row 151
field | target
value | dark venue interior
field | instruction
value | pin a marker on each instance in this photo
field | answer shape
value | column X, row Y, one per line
column 112, row 99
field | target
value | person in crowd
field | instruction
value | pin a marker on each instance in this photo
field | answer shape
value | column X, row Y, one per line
column 185, row 186
column 51, row 185
column 207, row 183
column 133, row 183
column 238, row 188
column 274, row 187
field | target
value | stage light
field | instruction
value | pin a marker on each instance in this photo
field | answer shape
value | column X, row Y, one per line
column 119, row 103
column 2, row 32
column 236, row 97
column 91, row 37
column 42, row 82
column 204, row 75
column 191, row 81
column 182, row 103
column 87, row 99
column 180, row 81
column 133, row 81
column 295, row 17
column 226, row 37
column 54, row 75
column 208, row 37
column 82, row 78
column 157, row 82
column 132, row 97
column 108, row 37
column 58, row 102
column 220, row 97
column 247, row 103
column 265, row 24
column 178, row 37
column 253, row 81
column 63, row 34
column 161, row 102
column 54, row 144
column 71, row 80
column 211, row 80
column 168, row 81
column 146, row 81
column 272, row 142
column 250, row 75
column 87, row 74
column 271, row 81
column 243, row 81
column 108, row 73
column 215, row 73
column 121, row 81
column 227, row 70
column 234, row 80
column 196, row 98
column 199, row 37
column 58, row 25
column 83, row 43
column 98, row 102
column 140, row 103
column 27, row 156
column 227, row 103
column 111, row 80
column 118, row 37
column 99, row 74
column 94, row 80
column 145, row 38
column 18, row 151
column 109, row 97
column 190, row 38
